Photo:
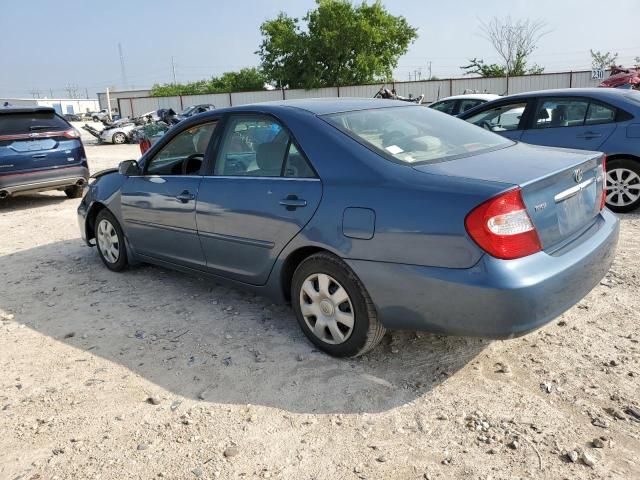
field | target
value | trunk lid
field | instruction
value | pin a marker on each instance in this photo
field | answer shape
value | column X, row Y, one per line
column 561, row 188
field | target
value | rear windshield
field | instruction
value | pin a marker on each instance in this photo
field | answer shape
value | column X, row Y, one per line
column 14, row 123
column 415, row 134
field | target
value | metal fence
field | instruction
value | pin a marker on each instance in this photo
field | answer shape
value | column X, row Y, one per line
column 432, row 90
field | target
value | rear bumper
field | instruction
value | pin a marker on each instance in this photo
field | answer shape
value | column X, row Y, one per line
column 47, row 179
column 496, row 298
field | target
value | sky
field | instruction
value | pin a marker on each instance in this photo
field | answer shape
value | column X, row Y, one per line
column 47, row 46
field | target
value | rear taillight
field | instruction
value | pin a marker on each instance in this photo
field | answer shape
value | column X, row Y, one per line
column 502, row 227
column 71, row 133
column 603, row 177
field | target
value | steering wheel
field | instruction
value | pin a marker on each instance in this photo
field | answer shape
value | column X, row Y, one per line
column 199, row 157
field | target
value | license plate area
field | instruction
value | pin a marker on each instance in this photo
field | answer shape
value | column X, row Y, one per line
column 575, row 206
column 33, row 145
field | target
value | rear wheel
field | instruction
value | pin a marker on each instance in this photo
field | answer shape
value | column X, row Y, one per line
column 119, row 138
column 73, row 192
column 110, row 241
column 623, row 185
column 333, row 308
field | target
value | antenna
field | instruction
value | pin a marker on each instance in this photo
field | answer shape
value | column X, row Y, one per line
column 122, row 69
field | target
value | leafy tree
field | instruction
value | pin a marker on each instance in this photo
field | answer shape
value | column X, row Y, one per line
column 514, row 41
column 602, row 59
column 245, row 79
column 337, row 44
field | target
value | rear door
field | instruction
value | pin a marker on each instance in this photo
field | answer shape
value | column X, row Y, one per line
column 261, row 193
column 570, row 122
column 507, row 118
column 39, row 140
column 158, row 207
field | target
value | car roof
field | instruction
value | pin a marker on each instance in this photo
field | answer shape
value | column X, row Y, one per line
column 27, row 109
column 471, row 96
column 323, row 106
column 573, row 92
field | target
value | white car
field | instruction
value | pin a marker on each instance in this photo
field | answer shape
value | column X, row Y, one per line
column 458, row 104
column 118, row 134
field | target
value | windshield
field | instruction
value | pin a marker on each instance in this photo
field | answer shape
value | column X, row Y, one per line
column 415, row 134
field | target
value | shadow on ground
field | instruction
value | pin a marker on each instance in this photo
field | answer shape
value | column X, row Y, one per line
column 213, row 343
column 32, row 200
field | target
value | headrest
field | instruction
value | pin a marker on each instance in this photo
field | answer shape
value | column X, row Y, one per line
column 270, row 156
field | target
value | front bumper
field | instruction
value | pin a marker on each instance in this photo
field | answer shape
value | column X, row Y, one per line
column 496, row 298
column 45, row 179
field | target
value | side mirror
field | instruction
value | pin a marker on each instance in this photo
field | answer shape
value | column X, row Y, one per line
column 129, row 168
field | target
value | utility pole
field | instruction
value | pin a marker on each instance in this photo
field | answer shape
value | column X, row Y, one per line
column 173, row 70
column 35, row 93
column 51, row 93
column 108, row 105
column 429, row 70
column 86, row 92
column 122, row 69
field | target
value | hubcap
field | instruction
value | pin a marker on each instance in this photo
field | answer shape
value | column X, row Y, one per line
column 326, row 308
column 108, row 242
column 623, row 187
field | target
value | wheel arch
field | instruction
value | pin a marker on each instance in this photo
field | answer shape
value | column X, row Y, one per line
column 622, row 156
column 89, row 224
column 291, row 262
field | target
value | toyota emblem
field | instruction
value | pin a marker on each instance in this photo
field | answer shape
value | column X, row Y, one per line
column 577, row 175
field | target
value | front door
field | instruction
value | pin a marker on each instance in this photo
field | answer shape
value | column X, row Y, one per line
column 261, row 193
column 159, row 207
column 571, row 122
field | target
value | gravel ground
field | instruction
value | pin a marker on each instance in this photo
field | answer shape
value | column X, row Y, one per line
column 152, row 373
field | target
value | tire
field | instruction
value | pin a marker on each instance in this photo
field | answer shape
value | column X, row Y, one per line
column 119, row 138
column 623, row 185
column 106, row 226
column 325, row 331
column 73, row 192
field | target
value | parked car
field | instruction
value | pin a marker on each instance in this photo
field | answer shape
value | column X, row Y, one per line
column 365, row 215
column 598, row 119
column 103, row 115
column 195, row 109
column 118, row 134
column 40, row 151
column 458, row 104
column 71, row 117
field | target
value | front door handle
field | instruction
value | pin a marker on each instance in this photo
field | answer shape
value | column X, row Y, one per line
column 589, row 135
column 185, row 196
column 292, row 202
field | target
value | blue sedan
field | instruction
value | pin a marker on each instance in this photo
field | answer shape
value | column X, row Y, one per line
column 601, row 119
column 365, row 216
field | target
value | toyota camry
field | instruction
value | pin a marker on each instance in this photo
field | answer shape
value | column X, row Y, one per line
column 365, row 215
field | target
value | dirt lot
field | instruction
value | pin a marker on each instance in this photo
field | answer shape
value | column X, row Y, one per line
column 152, row 373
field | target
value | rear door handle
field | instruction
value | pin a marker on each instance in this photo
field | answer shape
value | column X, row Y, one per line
column 185, row 196
column 39, row 155
column 292, row 202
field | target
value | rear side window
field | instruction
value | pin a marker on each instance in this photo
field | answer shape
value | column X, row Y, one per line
column 561, row 112
column 468, row 104
column 501, row 118
column 445, row 106
column 15, row 123
column 599, row 113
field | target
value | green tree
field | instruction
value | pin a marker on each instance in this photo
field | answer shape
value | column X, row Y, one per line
column 337, row 44
column 246, row 79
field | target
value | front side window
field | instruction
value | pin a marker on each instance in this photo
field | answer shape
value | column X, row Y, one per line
column 501, row 118
column 184, row 154
column 445, row 106
column 561, row 112
column 259, row 146
column 468, row 104
column 414, row 134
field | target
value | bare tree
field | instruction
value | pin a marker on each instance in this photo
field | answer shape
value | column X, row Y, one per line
column 602, row 59
column 514, row 40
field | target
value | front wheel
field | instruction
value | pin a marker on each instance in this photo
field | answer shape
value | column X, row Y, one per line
column 110, row 241
column 623, row 185
column 333, row 308
column 119, row 138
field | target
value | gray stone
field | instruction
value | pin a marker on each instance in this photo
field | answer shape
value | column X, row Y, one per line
column 572, row 456
column 143, row 446
column 597, row 443
column 154, row 400
column 231, row 451
column 588, row 460
column 197, row 472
